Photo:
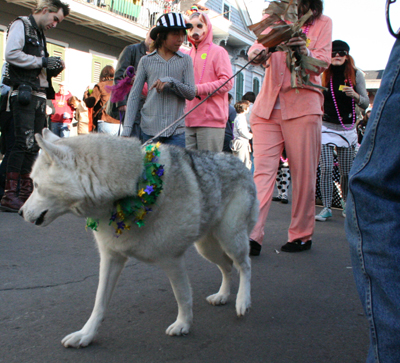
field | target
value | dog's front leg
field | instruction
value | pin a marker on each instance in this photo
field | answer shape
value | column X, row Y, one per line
column 111, row 265
column 176, row 272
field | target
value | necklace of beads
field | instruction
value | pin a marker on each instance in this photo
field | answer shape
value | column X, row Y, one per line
column 337, row 108
column 305, row 31
column 134, row 209
column 205, row 62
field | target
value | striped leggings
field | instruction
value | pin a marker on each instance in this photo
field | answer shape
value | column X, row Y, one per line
column 345, row 161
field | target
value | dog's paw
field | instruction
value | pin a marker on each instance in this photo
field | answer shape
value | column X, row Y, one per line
column 77, row 340
column 242, row 306
column 178, row 328
column 218, row 299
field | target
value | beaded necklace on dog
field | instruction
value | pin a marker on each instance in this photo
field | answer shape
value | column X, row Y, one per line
column 337, row 108
column 134, row 209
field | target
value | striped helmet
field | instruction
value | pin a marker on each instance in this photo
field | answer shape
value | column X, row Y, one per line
column 170, row 21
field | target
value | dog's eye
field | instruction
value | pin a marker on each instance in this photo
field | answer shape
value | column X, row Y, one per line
column 35, row 185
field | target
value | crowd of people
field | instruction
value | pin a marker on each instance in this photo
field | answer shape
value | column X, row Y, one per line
column 282, row 135
column 279, row 143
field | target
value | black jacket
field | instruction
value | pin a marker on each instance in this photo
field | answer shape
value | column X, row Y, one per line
column 35, row 44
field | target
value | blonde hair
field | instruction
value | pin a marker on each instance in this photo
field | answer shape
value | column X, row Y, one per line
column 53, row 5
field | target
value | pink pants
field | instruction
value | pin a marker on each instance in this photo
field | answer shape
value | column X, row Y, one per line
column 302, row 139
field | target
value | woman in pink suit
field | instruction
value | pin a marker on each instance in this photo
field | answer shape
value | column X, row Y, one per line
column 290, row 118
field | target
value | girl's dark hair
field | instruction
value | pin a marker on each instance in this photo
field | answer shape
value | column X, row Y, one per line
column 249, row 96
column 315, row 5
column 241, row 106
column 157, row 44
column 107, row 73
column 349, row 72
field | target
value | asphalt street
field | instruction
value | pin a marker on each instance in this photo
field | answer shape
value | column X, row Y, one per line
column 305, row 308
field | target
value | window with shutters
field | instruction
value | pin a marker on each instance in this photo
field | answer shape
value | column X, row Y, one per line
column 57, row 51
column 239, row 86
column 226, row 11
column 98, row 63
column 256, row 86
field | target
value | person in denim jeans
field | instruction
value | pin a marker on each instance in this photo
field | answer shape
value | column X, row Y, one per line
column 61, row 120
column 373, row 218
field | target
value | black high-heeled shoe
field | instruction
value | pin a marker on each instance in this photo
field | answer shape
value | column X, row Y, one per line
column 296, row 246
column 255, row 248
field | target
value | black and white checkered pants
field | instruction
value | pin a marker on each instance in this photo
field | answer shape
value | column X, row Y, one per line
column 345, row 161
column 283, row 181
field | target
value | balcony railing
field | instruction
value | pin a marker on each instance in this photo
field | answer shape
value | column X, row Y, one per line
column 143, row 12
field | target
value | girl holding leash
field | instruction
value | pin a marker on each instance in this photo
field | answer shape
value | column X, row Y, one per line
column 346, row 89
column 169, row 74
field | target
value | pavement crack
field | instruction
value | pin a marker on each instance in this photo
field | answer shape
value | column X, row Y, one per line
column 56, row 285
column 46, row 286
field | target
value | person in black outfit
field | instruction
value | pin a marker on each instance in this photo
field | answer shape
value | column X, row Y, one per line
column 130, row 56
column 28, row 72
column 229, row 126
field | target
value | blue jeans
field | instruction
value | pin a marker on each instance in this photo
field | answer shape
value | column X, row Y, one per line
column 177, row 140
column 60, row 129
column 373, row 218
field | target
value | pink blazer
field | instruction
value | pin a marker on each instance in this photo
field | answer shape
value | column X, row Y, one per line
column 305, row 101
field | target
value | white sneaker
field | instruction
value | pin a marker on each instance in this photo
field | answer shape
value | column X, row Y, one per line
column 324, row 215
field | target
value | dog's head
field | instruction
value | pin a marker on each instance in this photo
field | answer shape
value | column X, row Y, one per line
column 57, row 188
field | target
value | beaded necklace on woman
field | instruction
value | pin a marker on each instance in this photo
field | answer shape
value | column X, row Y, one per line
column 353, row 106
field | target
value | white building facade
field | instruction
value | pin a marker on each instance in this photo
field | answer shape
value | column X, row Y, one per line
column 96, row 31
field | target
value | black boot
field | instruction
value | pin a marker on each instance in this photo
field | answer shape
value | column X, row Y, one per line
column 10, row 201
column 26, row 187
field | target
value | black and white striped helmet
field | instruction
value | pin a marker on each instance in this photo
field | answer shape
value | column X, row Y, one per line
column 170, row 21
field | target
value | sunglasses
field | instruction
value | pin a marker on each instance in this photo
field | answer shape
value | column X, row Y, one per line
column 341, row 53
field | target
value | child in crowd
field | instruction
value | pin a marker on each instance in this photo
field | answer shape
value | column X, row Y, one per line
column 81, row 114
column 240, row 145
column 169, row 75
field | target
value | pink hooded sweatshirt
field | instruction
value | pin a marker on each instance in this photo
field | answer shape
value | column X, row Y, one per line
column 212, row 67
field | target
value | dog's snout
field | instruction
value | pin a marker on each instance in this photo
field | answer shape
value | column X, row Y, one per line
column 40, row 220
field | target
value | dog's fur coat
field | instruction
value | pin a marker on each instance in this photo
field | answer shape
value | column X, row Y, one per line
column 208, row 199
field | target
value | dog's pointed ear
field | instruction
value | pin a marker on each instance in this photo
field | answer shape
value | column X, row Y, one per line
column 53, row 151
column 49, row 136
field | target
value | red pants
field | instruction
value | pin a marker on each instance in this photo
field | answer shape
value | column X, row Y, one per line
column 302, row 139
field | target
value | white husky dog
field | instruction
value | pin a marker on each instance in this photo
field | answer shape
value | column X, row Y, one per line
column 208, row 199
